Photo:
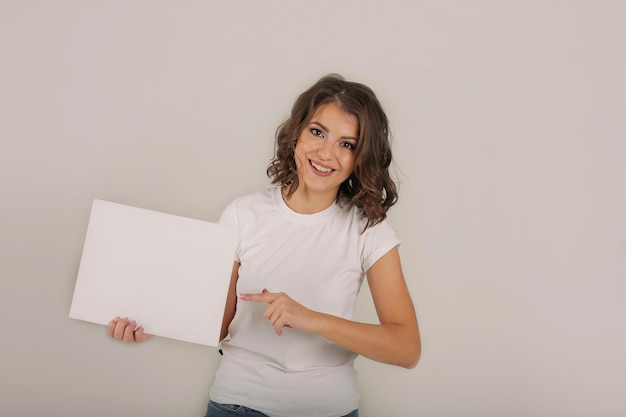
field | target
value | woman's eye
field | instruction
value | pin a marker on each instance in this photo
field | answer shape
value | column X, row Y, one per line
column 348, row 145
column 317, row 132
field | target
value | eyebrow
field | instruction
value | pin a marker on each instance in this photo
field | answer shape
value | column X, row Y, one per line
column 326, row 129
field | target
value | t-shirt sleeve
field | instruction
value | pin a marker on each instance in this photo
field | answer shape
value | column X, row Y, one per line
column 378, row 240
column 229, row 218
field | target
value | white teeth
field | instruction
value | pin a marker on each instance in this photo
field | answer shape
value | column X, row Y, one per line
column 320, row 168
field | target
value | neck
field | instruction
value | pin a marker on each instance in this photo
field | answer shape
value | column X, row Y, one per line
column 306, row 202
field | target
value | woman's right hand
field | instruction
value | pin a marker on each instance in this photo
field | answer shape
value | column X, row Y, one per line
column 127, row 331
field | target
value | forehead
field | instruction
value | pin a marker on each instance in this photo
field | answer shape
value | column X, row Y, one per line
column 334, row 118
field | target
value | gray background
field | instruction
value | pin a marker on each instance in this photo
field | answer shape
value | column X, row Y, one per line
column 510, row 143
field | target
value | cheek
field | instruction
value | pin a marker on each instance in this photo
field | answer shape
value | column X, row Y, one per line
column 303, row 148
column 304, row 144
column 299, row 154
column 348, row 161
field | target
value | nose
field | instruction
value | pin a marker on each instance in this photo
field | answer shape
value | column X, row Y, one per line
column 324, row 150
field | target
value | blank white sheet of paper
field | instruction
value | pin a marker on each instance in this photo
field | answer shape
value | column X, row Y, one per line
column 169, row 273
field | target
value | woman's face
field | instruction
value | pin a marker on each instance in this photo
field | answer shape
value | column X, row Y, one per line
column 325, row 150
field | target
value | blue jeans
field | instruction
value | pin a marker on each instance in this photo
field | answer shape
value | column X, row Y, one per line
column 228, row 410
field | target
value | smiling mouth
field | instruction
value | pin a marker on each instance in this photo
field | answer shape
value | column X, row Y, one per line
column 320, row 168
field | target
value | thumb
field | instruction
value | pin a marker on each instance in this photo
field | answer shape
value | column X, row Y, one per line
column 265, row 291
column 141, row 336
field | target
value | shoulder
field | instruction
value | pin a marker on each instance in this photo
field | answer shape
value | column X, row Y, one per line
column 355, row 215
column 251, row 200
column 377, row 241
column 248, row 205
column 381, row 231
column 382, row 228
column 266, row 196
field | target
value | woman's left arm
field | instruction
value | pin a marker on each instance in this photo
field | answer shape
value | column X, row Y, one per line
column 396, row 340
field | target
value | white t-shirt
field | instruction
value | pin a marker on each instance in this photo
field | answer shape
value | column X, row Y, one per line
column 320, row 261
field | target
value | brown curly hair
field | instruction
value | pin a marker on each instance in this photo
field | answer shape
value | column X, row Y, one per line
column 370, row 186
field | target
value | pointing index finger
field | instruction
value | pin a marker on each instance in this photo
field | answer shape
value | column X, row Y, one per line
column 264, row 297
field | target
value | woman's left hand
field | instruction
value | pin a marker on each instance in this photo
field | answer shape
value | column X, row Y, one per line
column 283, row 311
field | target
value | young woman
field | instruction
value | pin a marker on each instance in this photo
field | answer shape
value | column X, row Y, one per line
column 305, row 246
